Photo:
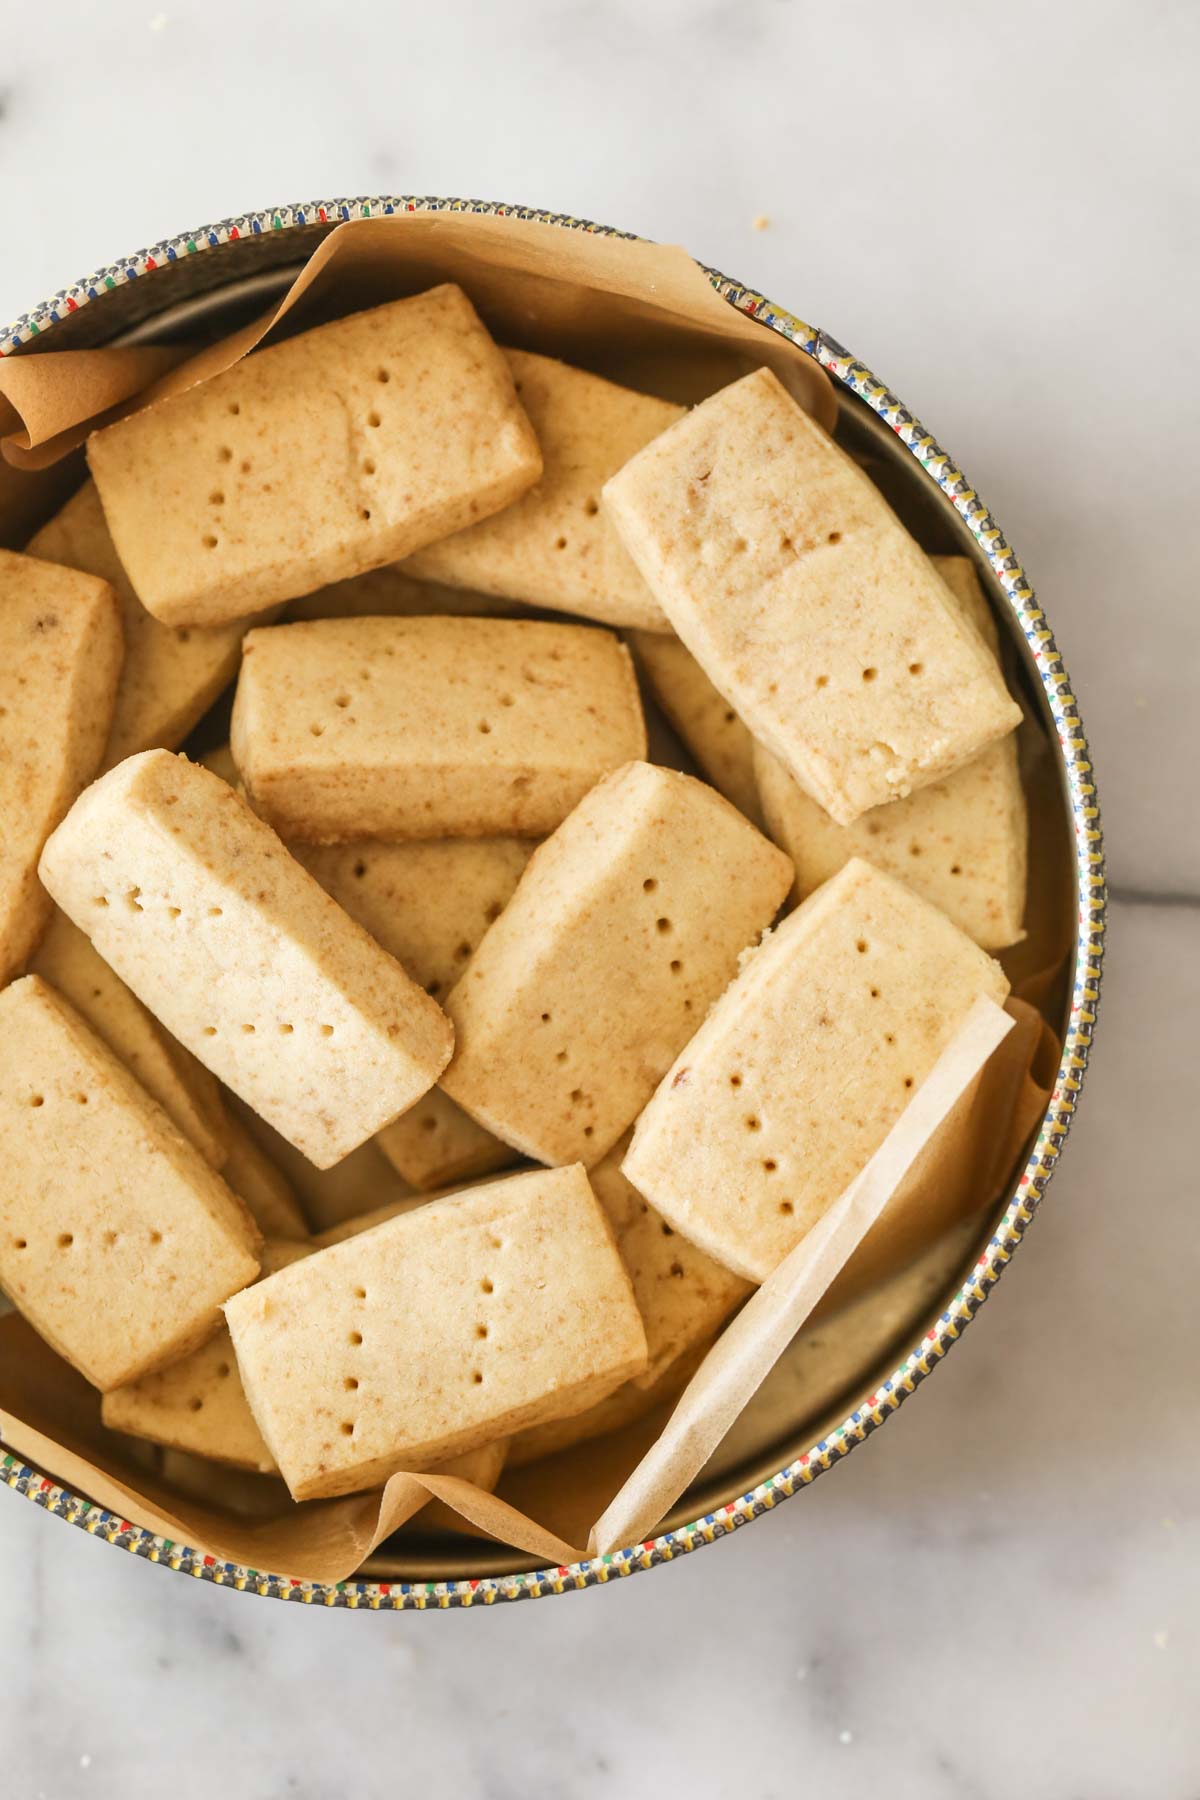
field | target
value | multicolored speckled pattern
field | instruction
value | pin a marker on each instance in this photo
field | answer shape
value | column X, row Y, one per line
column 876, row 1407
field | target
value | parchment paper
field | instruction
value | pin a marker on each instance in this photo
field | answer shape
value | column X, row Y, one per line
column 41, row 397
column 639, row 312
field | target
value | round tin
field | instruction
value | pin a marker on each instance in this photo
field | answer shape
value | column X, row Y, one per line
column 241, row 263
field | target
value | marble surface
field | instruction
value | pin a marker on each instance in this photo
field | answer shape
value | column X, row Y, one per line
column 994, row 206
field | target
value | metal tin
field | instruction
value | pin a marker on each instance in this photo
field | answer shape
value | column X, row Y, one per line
column 252, row 257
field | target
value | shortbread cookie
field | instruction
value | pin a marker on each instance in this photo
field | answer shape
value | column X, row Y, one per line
column 428, row 904
column 554, row 547
column 183, row 1087
column 254, row 1178
column 704, row 719
column 435, row 1142
column 624, row 928
column 391, row 1209
column 117, row 1240
column 427, row 728
column 806, row 602
column 243, row 956
column 220, row 761
column 360, row 1222
column 960, row 842
column 60, row 652
column 395, row 593
column 172, row 673
column 331, row 453
column 804, row 1065
column 682, row 1294
column 431, row 1335
column 361, row 1181
column 198, row 1404
column 960, row 576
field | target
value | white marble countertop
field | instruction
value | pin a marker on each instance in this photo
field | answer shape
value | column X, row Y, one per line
column 995, row 207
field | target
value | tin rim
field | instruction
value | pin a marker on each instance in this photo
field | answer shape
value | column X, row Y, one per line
column 1076, row 765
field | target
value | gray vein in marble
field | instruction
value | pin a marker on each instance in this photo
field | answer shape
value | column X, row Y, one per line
column 1146, row 897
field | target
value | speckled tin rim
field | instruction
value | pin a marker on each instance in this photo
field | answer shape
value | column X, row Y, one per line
column 1089, row 943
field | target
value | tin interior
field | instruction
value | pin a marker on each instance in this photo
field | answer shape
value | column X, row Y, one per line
column 828, row 1367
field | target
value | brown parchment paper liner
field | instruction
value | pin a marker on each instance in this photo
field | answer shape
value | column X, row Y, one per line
column 644, row 313
column 52, row 1416
column 41, row 397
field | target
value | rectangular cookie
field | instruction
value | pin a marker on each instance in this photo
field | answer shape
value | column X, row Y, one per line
column 428, row 728
column 315, row 459
column 198, row 1404
column 220, row 760
column 684, row 1297
column 447, row 1327
column 623, row 930
column 970, row 601
column 391, row 1209
column 428, row 904
column 804, row 1065
column 185, row 1090
column 361, row 1181
column 806, row 602
column 360, row 1222
column 392, row 592
column 117, row 1240
column 435, row 1142
column 60, row 652
column 254, row 1178
column 172, row 673
column 554, row 547
column 704, row 719
column 960, row 842
column 242, row 956
column 183, row 1087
